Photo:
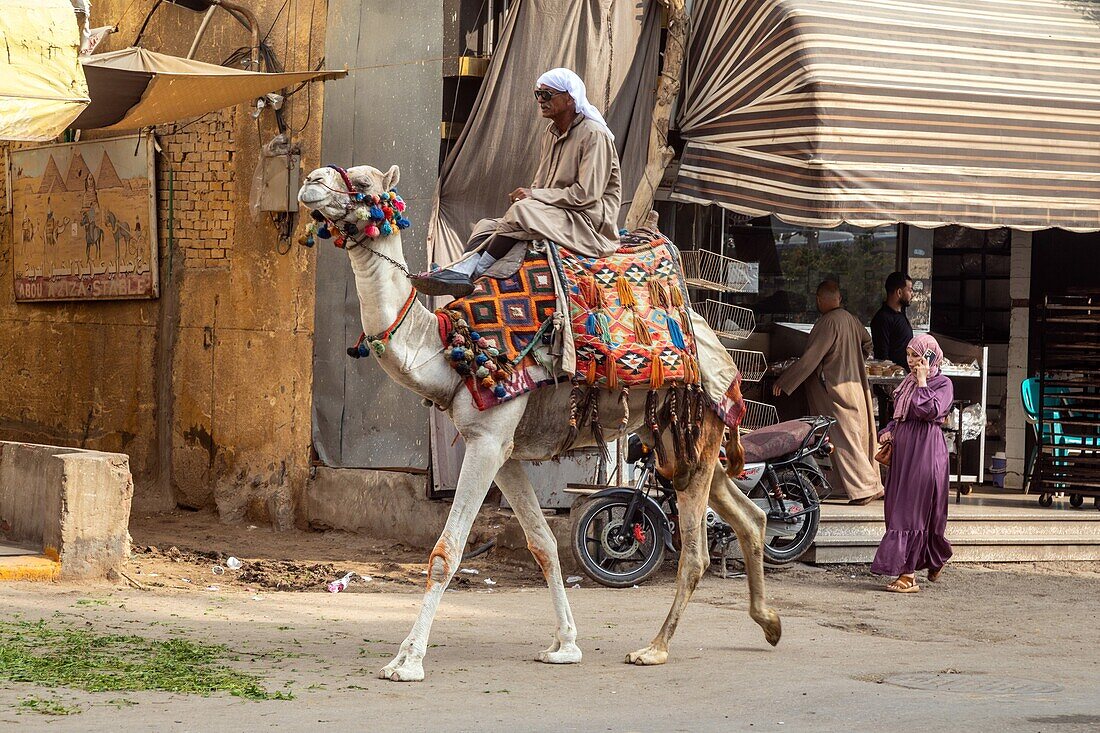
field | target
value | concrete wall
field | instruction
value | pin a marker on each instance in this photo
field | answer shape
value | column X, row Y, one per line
column 72, row 502
column 208, row 388
column 384, row 504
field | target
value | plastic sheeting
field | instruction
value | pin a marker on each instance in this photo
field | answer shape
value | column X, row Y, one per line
column 42, row 85
column 611, row 45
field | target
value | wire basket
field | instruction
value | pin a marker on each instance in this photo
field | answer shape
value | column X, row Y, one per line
column 728, row 321
column 751, row 364
column 758, row 415
column 711, row 271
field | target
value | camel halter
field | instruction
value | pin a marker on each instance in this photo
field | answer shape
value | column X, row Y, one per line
column 367, row 217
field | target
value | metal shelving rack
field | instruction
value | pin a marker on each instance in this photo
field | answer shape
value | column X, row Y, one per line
column 706, row 270
column 1068, row 457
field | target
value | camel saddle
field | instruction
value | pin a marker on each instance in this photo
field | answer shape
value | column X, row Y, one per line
column 628, row 313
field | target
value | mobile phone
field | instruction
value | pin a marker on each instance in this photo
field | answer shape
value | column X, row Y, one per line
column 929, row 355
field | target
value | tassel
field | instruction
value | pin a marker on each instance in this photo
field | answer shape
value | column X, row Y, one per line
column 675, row 332
column 592, row 324
column 656, row 373
column 612, row 372
column 590, row 372
column 591, row 292
column 656, row 293
column 604, row 322
column 641, row 331
column 624, row 405
column 626, row 294
column 675, row 296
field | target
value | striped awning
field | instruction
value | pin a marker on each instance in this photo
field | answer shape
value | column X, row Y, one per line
column 977, row 112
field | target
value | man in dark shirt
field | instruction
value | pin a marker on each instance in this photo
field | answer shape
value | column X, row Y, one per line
column 891, row 331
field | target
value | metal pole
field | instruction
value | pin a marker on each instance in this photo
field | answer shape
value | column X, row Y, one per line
column 253, row 27
column 201, row 31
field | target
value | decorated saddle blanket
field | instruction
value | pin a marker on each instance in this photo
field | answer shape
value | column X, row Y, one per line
column 497, row 337
column 628, row 313
column 631, row 326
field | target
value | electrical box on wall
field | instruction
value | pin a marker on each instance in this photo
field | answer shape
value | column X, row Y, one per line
column 279, row 182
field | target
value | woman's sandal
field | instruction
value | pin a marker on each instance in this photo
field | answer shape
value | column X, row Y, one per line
column 934, row 574
column 903, row 585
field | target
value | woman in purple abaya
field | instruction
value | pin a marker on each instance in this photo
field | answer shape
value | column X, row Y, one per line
column 917, row 483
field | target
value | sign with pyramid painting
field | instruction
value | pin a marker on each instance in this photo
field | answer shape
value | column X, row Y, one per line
column 84, row 223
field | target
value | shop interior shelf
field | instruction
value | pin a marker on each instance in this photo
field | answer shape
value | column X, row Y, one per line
column 752, row 364
column 758, row 415
column 728, row 321
column 711, row 271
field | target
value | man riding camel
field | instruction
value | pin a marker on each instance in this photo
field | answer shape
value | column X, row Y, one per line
column 574, row 200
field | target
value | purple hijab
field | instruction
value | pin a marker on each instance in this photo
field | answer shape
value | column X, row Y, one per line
column 903, row 395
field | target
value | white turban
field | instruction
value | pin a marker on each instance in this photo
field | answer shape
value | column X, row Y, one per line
column 565, row 80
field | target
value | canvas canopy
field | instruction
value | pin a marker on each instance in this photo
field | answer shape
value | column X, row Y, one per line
column 42, row 87
column 135, row 87
column 977, row 112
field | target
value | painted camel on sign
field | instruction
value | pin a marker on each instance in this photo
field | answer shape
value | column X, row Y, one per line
column 531, row 427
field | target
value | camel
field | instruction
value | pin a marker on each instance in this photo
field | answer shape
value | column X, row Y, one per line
column 530, row 427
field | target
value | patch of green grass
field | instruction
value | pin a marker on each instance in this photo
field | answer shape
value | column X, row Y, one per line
column 83, row 659
column 43, row 706
column 91, row 602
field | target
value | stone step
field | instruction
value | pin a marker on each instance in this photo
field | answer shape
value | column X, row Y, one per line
column 1018, row 533
column 965, row 531
column 1033, row 552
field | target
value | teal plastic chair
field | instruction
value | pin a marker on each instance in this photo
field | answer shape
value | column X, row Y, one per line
column 1057, row 437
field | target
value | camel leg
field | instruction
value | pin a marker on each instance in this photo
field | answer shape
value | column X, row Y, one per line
column 748, row 520
column 517, row 489
column 692, row 489
column 486, row 451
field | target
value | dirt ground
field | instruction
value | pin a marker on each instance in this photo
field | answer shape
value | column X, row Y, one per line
column 991, row 647
column 181, row 549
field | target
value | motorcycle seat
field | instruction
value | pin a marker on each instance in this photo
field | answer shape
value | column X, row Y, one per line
column 774, row 441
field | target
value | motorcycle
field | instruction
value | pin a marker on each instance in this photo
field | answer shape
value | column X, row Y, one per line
column 621, row 534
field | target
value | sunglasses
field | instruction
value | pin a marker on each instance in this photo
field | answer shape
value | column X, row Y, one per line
column 545, row 95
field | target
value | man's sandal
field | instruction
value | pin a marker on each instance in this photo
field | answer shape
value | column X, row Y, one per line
column 934, row 574
column 903, row 585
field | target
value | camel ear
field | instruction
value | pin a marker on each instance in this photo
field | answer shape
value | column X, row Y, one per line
column 393, row 175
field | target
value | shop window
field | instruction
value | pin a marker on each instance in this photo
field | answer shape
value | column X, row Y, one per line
column 794, row 260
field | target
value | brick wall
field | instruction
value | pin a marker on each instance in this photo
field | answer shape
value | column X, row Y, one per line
column 201, row 158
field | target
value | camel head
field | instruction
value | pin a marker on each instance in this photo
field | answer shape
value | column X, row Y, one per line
column 326, row 190
column 352, row 206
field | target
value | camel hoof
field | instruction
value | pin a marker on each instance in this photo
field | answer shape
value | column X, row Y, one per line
column 402, row 672
column 647, row 657
column 561, row 654
column 773, row 628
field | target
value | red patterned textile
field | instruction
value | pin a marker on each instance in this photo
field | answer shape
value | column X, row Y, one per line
column 629, row 316
column 490, row 333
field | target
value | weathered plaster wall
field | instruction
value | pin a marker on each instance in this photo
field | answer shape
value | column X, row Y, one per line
column 208, row 388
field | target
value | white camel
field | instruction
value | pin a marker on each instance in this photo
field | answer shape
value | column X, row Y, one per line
column 531, row 427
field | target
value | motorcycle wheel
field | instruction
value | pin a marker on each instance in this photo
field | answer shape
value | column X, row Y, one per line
column 601, row 552
column 783, row 550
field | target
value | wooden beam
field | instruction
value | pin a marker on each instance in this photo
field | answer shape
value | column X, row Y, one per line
column 668, row 87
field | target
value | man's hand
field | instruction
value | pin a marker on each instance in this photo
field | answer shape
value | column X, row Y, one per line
column 518, row 194
column 776, row 391
column 885, row 437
